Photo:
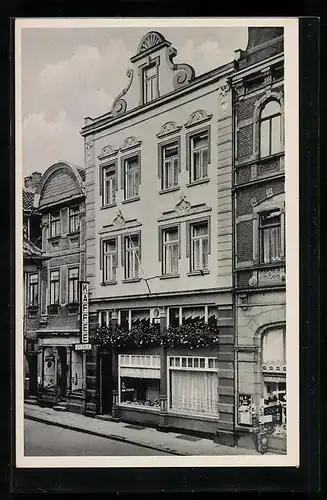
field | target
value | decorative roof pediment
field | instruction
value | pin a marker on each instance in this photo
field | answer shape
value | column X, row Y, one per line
column 150, row 40
column 129, row 143
column 107, row 151
column 183, row 208
column 120, row 223
column 169, row 128
column 199, row 116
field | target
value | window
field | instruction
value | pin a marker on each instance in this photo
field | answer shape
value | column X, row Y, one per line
column 199, row 145
column 110, row 260
column 193, row 384
column 77, row 372
column 33, row 289
column 150, row 83
column 109, row 185
column 170, row 251
column 132, row 256
column 199, row 246
column 55, row 224
column 73, row 276
column 131, row 177
column 54, row 287
column 74, row 219
column 270, row 129
column 270, row 237
column 170, row 166
column 139, row 380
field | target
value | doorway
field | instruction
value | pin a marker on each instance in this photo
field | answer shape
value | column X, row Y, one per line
column 32, row 369
column 105, row 376
column 62, row 373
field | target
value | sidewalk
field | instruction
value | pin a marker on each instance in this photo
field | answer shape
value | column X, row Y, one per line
column 169, row 442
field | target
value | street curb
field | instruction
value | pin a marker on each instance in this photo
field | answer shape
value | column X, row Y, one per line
column 113, row 437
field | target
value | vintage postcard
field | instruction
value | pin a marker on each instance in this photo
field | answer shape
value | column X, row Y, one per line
column 157, row 318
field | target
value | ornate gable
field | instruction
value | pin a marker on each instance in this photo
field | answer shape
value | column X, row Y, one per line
column 183, row 208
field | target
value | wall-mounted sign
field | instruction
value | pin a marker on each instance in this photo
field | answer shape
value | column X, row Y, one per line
column 83, row 347
column 84, row 312
column 245, row 409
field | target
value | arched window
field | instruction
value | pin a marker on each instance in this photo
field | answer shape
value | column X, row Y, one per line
column 270, row 129
column 273, row 346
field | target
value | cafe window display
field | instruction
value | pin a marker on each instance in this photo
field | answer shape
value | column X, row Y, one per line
column 193, row 384
column 77, row 379
column 274, row 382
column 139, row 380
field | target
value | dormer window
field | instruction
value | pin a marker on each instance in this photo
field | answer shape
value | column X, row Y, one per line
column 150, row 83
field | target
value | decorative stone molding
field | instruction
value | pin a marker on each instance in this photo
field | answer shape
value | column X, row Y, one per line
column 269, row 192
column 184, row 72
column 253, row 202
column 169, row 128
column 129, row 143
column 271, row 276
column 184, row 207
column 268, row 77
column 150, row 40
column 118, row 221
column 239, row 89
column 224, row 94
column 88, row 151
column 198, row 116
column 107, row 151
column 253, row 281
column 119, row 105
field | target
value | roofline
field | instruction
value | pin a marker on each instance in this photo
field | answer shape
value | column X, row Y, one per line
column 208, row 78
column 66, row 201
column 257, row 65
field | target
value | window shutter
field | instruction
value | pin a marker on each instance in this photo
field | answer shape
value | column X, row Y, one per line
column 116, row 252
column 282, row 234
column 255, row 238
column 63, row 285
column 140, row 246
column 101, row 252
column 122, row 174
column 179, row 154
column 122, row 249
column 179, row 240
column 139, row 163
column 209, row 235
column 160, row 239
column 188, row 239
column 188, row 151
column 209, row 145
column 64, row 220
column 101, row 177
column 116, row 174
column 159, row 161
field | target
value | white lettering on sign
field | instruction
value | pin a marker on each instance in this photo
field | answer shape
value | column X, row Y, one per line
column 85, row 313
column 83, row 347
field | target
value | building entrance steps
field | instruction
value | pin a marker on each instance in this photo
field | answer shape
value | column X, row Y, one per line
column 169, row 442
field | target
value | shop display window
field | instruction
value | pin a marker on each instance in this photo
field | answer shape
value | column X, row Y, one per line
column 49, row 376
column 77, row 379
column 275, row 408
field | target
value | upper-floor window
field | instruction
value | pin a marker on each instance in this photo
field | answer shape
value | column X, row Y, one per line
column 73, row 277
column 270, row 129
column 270, row 237
column 131, row 177
column 170, row 165
column 33, row 289
column 150, row 83
column 55, row 224
column 199, row 246
column 132, row 256
column 109, row 185
column 54, row 287
column 109, row 260
column 170, row 250
column 199, row 151
column 74, row 219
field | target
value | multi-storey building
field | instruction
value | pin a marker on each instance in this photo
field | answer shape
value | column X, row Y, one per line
column 60, row 200
column 259, row 243
column 159, row 246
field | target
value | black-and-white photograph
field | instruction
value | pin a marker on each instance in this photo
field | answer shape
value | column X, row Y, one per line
column 156, row 167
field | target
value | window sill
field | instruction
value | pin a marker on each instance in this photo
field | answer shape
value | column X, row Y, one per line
column 269, row 265
column 73, row 233
column 169, row 190
column 54, row 238
column 199, row 273
column 193, row 416
column 142, row 408
column 105, row 283
column 110, row 205
column 130, row 200
column 168, row 276
column 131, row 280
column 200, row 181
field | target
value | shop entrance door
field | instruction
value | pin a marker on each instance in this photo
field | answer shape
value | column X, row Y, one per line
column 62, row 373
column 32, row 366
column 105, row 368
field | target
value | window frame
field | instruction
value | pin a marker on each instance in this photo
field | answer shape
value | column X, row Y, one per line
column 261, row 229
column 189, row 159
column 161, row 159
column 124, row 238
column 104, row 242
column 269, row 119
column 108, row 166
column 75, row 217
column 73, row 280
column 124, row 159
column 57, row 221
column 50, row 287
column 189, row 247
column 161, row 256
column 36, row 286
column 154, row 86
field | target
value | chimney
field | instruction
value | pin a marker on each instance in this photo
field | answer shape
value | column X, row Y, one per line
column 32, row 181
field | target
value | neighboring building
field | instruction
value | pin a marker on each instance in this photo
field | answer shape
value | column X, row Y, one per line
column 159, row 243
column 259, row 210
column 60, row 199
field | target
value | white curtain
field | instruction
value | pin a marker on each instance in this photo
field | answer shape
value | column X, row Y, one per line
column 195, row 392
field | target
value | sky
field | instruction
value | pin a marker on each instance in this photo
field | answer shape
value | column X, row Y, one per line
column 70, row 73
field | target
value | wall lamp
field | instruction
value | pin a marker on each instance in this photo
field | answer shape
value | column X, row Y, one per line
column 244, row 299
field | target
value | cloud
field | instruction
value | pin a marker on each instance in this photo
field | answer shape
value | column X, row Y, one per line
column 45, row 142
column 203, row 57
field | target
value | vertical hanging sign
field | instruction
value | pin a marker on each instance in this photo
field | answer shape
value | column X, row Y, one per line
column 84, row 294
